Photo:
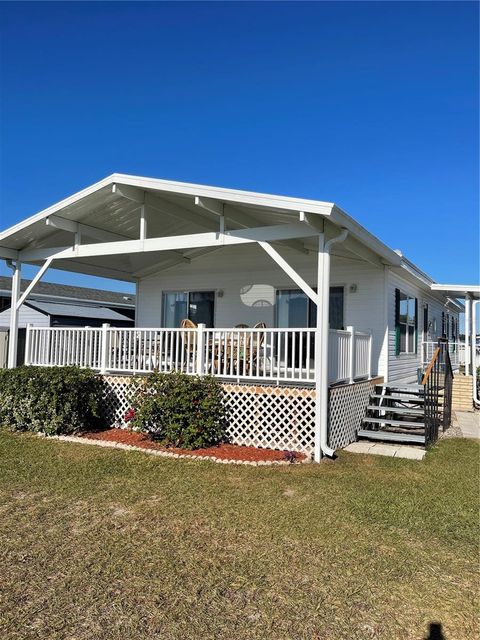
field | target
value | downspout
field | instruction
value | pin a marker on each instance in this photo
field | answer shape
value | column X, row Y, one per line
column 476, row 399
column 323, row 339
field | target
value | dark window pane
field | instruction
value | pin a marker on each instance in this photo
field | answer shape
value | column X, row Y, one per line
column 403, row 338
column 411, row 311
column 201, row 307
column 336, row 308
column 403, row 307
column 174, row 308
column 411, row 339
column 291, row 308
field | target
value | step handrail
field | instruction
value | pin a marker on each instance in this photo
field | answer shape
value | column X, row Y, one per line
column 429, row 369
column 438, row 376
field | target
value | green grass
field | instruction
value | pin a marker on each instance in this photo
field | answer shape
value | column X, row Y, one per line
column 104, row 544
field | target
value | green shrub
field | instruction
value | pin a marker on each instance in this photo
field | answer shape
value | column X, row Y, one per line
column 57, row 400
column 179, row 410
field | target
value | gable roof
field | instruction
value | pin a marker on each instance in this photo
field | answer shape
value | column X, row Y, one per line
column 111, row 207
column 53, row 291
column 77, row 311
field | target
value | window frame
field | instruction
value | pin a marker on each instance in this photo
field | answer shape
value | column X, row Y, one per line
column 188, row 292
column 407, row 324
column 279, row 290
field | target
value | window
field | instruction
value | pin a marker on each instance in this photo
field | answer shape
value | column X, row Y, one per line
column 294, row 309
column 197, row 306
column 406, row 311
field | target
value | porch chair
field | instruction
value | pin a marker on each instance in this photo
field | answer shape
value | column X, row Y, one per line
column 189, row 342
column 249, row 346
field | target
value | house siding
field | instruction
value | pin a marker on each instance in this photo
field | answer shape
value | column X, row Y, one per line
column 26, row 315
column 245, row 280
column 404, row 367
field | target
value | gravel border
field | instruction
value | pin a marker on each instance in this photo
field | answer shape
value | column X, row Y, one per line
column 453, row 430
column 167, row 454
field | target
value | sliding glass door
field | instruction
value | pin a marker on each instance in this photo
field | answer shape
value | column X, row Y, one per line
column 294, row 310
column 197, row 306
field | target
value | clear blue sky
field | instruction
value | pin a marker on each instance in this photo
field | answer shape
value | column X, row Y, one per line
column 371, row 105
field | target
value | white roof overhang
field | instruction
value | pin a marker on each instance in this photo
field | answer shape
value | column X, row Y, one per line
column 108, row 211
column 458, row 290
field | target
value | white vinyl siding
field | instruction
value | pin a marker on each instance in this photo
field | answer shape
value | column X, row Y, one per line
column 26, row 315
column 404, row 366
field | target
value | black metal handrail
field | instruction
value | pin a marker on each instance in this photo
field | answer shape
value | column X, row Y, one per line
column 438, row 379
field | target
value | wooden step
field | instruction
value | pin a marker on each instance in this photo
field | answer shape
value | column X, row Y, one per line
column 413, row 388
column 394, row 423
column 400, row 398
column 386, row 436
column 404, row 411
column 417, row 390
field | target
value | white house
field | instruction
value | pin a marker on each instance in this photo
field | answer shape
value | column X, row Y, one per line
column 339, row 310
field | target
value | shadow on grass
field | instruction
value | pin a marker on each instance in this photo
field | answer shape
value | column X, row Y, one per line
column 435, row 632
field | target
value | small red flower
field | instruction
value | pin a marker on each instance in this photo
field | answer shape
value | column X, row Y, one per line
column 130, row 415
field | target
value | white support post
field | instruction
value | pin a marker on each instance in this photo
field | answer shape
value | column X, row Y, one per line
column 351, row 355
column 143, row 223
column 370, row 339
column 476, row 399
column 28, row 337
column 104, row 348
column 13, row 333
column 321, row 346
column 321, row 349
column 468, row 323
column 201, row 349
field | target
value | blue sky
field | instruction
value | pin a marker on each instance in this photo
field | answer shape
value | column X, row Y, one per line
column 371, row 105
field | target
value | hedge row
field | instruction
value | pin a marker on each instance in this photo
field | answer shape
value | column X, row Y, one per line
column 175, row 409
column 57, row 400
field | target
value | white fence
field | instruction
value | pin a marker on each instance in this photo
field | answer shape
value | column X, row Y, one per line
column 273, row 355
column 3, row 349
column 456, row 351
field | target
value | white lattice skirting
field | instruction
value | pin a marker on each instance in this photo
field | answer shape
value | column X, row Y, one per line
column 265, row 416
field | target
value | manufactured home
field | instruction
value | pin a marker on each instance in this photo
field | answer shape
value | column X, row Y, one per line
column 306, row 317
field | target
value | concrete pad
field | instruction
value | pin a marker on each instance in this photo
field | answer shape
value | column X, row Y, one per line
column 469, row 424
column 410, row 453
column 384, row 450
column 390, row 450
column 359, row 447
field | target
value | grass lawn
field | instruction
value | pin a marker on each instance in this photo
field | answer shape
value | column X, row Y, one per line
column 104, row 544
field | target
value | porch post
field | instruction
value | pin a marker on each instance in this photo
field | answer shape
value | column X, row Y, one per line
column 351, row 355
column 322, row 337
column 321, row 347
column 13, row 334
column 104, row 348
column 200, row 364
column 476, row 399
column 467, row 334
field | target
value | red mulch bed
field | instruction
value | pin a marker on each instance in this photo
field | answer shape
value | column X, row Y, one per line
column 222, row 451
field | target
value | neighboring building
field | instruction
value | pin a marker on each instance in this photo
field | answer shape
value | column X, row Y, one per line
column 123, row 303
column 57, row 305
column 339, row 308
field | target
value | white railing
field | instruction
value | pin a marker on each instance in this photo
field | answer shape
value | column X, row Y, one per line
column 456, row 351
column 349, row 355
column 274, row 355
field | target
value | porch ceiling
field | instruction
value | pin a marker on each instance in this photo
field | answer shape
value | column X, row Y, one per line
column 111, row 208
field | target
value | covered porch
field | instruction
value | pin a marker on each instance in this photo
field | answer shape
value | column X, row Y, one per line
column 130, row 228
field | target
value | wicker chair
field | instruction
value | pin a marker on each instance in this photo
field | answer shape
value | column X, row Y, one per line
column 249, row 346
column 189, row 342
